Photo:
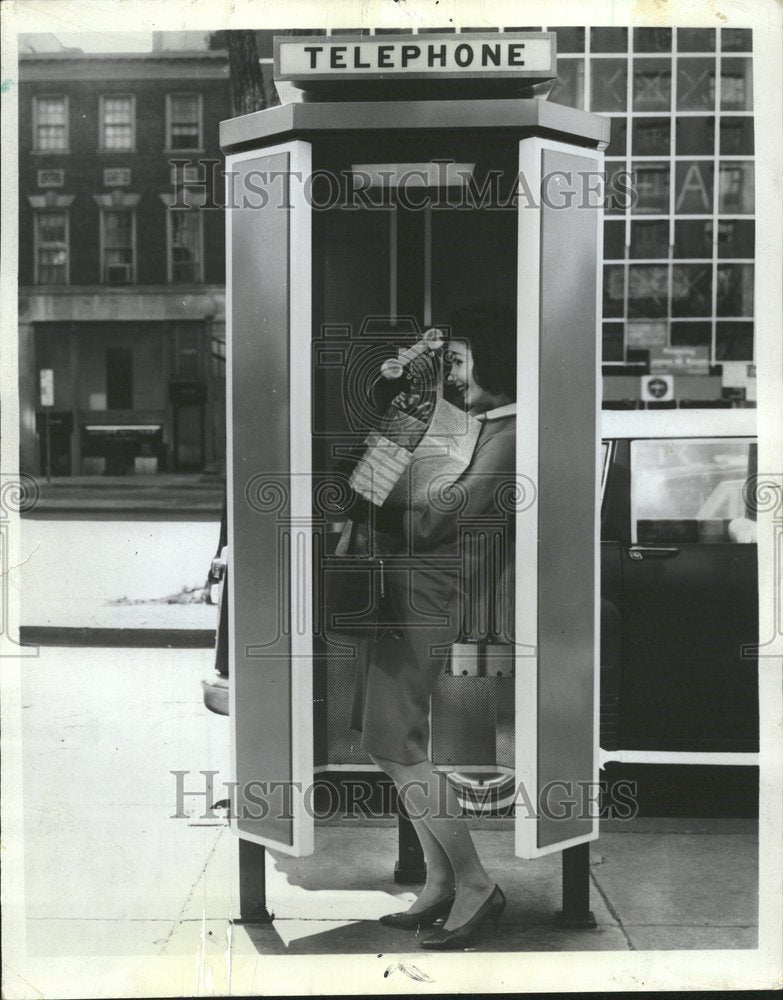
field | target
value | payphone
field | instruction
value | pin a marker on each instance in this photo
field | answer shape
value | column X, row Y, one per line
column 401, row 178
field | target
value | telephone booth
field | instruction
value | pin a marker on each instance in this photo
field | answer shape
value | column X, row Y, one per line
column 401, row 178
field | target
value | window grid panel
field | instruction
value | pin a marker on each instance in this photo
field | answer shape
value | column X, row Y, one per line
column 50, row 115
column 117, row 122
column 51, row 248
column 184, row 112
column 118, row 238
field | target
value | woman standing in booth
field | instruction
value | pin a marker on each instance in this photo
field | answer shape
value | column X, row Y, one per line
column 449, row 579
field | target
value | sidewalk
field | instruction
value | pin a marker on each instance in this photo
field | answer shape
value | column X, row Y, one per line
column 102, row 733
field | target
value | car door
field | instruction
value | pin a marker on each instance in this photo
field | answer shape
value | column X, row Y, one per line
column 688, row 601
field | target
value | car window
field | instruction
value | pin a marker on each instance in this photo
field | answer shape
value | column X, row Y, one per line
column 691, row 490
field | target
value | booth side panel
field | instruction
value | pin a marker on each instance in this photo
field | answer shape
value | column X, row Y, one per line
column 264, row 482
column 556, row 661
column 567, row 502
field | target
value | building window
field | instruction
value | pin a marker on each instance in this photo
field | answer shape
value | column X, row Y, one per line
column 118, row 232
column 183, row 121
column 50, row 124
column 51, row 248
column 185, row 245
column 119, row 379
column 118, row 121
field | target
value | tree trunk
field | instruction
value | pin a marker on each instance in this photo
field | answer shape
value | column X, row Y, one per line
column 248, row 89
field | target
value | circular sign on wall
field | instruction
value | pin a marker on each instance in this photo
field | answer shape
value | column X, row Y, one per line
column 657, row 387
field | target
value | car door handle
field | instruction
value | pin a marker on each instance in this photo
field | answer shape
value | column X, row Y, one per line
column 652, row 552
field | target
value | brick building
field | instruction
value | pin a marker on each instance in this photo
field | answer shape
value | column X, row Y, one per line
column 121, row 266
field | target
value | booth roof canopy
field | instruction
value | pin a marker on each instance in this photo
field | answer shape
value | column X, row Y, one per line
column 528, row 116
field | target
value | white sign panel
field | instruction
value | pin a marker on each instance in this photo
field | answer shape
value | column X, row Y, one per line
column 47, row 386
column 455, row 56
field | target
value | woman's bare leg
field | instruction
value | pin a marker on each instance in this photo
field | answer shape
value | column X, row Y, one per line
column 431, row 801
column 440, row 874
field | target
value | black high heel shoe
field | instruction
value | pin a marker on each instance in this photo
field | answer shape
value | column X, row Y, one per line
column 462, row 936
column 424, row 918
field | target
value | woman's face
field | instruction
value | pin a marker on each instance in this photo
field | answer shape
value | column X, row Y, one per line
column 460, row 375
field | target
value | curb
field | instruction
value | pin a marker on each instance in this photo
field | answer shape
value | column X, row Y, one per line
column 149, row 638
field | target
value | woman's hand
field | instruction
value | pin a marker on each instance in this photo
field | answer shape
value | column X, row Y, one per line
column 413, row 405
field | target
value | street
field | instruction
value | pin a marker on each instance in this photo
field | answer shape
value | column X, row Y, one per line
column 110, row 572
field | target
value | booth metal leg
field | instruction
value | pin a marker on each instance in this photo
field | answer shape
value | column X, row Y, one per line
column 252, row 884
column 576, row 912
column 410, row 866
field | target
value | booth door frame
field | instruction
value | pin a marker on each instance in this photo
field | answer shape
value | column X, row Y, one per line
column 556, row 693
column 268, row 335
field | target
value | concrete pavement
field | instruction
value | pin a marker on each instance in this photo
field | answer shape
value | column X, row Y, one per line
column 109, row 872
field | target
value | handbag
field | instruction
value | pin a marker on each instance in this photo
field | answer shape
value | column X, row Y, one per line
column 352, row 580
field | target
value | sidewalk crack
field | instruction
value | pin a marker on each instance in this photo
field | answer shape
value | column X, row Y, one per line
column 183, row 909
column 612, row 911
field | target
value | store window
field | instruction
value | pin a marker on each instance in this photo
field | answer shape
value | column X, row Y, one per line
column 694, row 187
column 652, row 84
column 736, row 84
column 51, row 248
column 185, row 245
column 736, row 39
column 614, row 240
column 735, row 290
column 690, row 491
column 117, row 122
column 648, row 290
column 695, row 136
column 650, row 239
column 652, row 39
column 118, row 238
column 651, row 184
column 692, row 238
column 609, row 82
column 695, row 333
column 695, row 84
column 651, row 137
column 614, row 290
column 613, row 347
column 183, row 121
column 696, row 39
column 50, row 124
column 736, row 136
column 692, row 289
column 609, row 39
column 619, row 189
column 736, row 188
column 736, row 238
column 570, row 39
column 734, row 340
column 570, row 85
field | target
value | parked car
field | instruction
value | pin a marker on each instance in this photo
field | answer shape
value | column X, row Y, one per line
column 678, row 581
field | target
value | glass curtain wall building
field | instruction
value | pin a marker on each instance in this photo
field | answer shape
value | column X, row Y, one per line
column 679, row 259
